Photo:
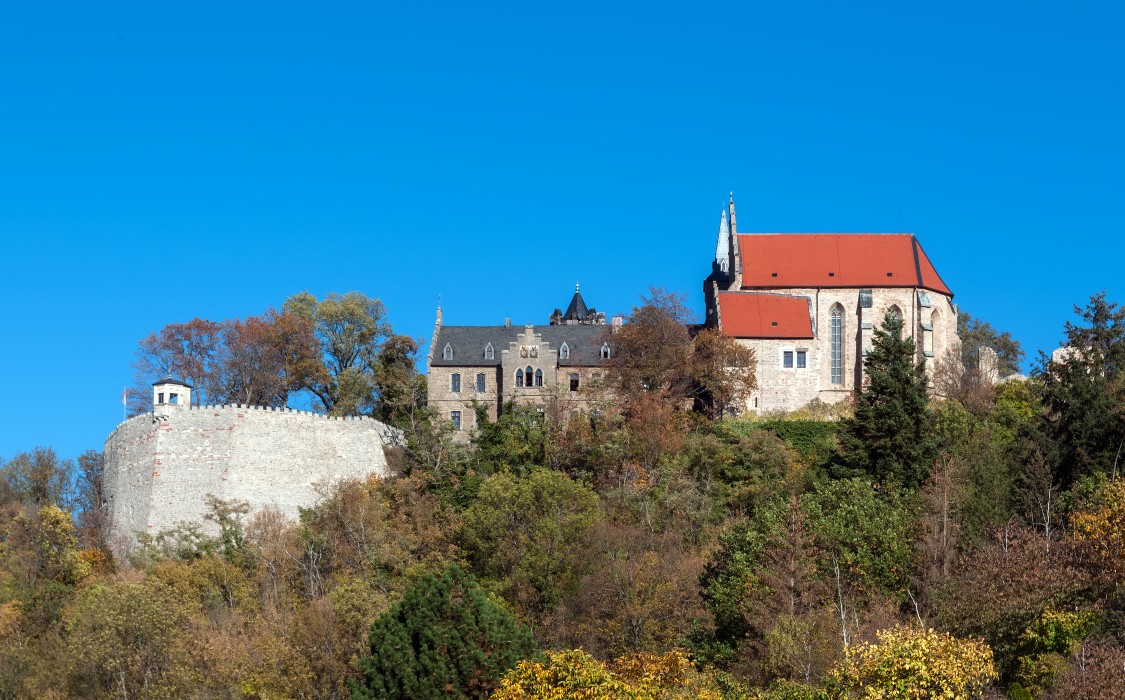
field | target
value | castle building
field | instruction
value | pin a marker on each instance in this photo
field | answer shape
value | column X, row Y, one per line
column 470, row 366
column 161, row 466
column 808, row 305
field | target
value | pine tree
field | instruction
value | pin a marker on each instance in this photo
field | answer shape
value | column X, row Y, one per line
column 444, row 639
column 890, row 439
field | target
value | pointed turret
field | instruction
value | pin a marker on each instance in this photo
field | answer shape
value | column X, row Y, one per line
column 722, row 247
column 733, row 226
column 577, row 310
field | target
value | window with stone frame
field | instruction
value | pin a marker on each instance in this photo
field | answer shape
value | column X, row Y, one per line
column 574, row 381
column 455, row 383
column 802, row 359
column 489, row 352
column 564, row 352
column 605, row 351
column 455, row 416
column 447, row 353
column 837, row 345
column 519, row 377
column 787, row 359
column 480, row 383
column 538, row 377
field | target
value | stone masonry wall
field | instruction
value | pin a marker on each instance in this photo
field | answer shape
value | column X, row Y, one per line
column 160, row 466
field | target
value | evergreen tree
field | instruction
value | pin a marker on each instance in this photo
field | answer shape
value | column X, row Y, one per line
column 444, row 639
column 1084, row 394
column 891, row 438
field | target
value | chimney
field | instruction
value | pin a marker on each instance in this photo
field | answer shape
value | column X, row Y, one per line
column 617, row 320
column 507, row 323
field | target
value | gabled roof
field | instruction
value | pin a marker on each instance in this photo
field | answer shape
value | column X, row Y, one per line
column 750, row 315
column 169, row 380
column 781, row 260
column 468, row 343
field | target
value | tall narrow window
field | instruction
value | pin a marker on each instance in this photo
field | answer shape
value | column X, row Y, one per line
column 837, row 345
column 455, row 416
column 480, row 383
column 787, row 359
column 455, row 383
column 519, row 377
column 538, row 377
column 802, row 359
column 447, row 353
column 489, row 353
column 529, row 373
column 574, row 381
column 564, row 352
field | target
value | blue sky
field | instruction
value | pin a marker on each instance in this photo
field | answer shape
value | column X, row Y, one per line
column 165, row 161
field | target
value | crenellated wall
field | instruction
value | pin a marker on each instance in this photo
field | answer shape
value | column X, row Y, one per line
column 161, row 465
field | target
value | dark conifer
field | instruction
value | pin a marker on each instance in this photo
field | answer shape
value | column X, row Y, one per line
column 891, row 438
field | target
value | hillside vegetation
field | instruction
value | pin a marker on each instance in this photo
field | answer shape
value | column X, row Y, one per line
column 899, row 547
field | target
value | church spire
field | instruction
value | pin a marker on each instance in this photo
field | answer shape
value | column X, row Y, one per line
column 722, row 246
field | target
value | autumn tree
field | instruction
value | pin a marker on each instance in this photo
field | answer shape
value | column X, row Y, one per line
column 914, row 664
column 890, row 438
column 351, row 329
column 444, row 639
column 180, row 350
column 651, row 352
column 723, row 371
column 36, row 478
column 262, row 360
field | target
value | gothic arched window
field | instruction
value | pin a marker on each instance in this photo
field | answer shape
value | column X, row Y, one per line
column 447, row 353
column 529, row 373
column 837, row 350
column 489, row 353
column 564, row 352
column 519, row 377
column 538, row 377
column 605, row 351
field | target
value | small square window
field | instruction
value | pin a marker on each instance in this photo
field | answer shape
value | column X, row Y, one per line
column 802, row 359
column 455, row 416
column 173, row 398
column 455, row 383
column 787, row 359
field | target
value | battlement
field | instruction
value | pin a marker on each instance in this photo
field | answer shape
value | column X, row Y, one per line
column 161, row 465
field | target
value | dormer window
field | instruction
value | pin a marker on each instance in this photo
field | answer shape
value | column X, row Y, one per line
column 489, row 353
column 447, row 353
column 564, row 352
column 605, row 351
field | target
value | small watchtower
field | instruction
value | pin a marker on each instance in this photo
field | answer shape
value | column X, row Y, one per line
column 170, row 392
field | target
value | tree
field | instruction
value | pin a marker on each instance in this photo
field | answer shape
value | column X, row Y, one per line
column 529, row 535
column 180, row 350
column 576, row 674
column 36, row 478
column 444, row 639
column 1084, row 393
column 399, row 386
column 975, row 333
column 723, row 370
column 91, row 516
column 651, row 352
column 351, row 329
column 914, row 664
column 890, row 438
column 262, row 360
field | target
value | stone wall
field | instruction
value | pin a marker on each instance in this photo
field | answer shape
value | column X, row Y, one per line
column 161, row 465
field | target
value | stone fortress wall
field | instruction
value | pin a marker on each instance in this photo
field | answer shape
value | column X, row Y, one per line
column 161, row 465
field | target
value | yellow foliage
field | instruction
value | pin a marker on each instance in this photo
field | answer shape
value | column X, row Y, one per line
column 912, row 664
column 576, row 674
column 1103, row 528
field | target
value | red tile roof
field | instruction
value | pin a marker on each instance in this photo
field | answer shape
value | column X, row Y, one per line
column 748, row 315
column 778, row 260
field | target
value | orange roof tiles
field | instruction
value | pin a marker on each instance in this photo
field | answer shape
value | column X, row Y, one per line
column 748, row 315
column 778, row 260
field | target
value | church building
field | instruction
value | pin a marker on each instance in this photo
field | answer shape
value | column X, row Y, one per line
column 809, row 304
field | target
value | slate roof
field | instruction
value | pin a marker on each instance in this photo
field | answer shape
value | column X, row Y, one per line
column 469, row 342
column 749, row 315
column 577, row 310
column 169, row 380
column 780, row 260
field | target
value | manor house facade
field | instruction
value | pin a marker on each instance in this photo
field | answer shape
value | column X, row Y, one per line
column 809, row 303
column 487, row 366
